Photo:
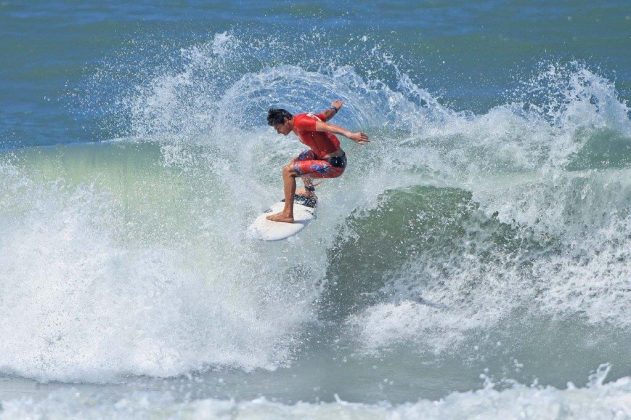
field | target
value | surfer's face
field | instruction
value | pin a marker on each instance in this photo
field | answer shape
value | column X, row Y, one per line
column 284, row 128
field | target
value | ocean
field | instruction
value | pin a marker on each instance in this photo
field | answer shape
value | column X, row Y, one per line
column 474, row 260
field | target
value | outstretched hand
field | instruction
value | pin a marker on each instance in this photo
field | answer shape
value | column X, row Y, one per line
column 359, row 137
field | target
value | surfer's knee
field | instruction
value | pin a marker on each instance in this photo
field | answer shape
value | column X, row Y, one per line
column 288, row 170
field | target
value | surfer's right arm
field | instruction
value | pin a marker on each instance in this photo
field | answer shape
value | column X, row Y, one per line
column 357, row 137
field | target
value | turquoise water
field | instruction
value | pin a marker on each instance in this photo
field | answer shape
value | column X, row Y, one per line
column 474, row 254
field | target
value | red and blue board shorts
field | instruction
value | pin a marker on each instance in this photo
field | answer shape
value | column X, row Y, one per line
column 307, row 164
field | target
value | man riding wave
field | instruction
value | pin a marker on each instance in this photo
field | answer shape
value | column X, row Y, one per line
column 324, row 159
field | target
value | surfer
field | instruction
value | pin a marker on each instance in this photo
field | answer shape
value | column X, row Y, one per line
column 324, row 159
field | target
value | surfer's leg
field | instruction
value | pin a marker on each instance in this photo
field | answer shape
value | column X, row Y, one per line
column 303, row 167
column 309, row 169
column 308, row 191
column 289, row 189
column 316, row 168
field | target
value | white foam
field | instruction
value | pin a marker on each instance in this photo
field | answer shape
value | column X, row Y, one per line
column 83, row 301
column 611, row 400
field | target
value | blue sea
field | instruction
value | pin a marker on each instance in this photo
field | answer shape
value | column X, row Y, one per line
column 474, row 260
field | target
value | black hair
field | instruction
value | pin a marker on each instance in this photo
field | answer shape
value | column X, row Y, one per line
column 277, row 116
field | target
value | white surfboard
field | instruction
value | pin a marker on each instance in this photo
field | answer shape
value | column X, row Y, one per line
column 266, row 230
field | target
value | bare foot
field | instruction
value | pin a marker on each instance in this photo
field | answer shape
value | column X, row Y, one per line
column 280, row 217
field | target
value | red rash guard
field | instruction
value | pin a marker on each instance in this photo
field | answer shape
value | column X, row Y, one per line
column 321, row 143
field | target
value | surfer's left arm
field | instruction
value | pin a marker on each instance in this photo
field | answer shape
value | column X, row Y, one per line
column 357, row 137
column 332, row 110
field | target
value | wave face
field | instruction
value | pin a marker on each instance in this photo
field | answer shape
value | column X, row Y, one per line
column 457, row 242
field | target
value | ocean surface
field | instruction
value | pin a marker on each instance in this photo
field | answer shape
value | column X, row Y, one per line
column 474, row 261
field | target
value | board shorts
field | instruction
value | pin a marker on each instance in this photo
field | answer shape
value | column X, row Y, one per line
column 307, row 164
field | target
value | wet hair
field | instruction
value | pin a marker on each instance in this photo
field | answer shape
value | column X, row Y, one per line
column 277, row 116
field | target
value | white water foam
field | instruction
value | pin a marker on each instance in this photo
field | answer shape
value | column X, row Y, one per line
column 596, row 401
column 82, row 303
